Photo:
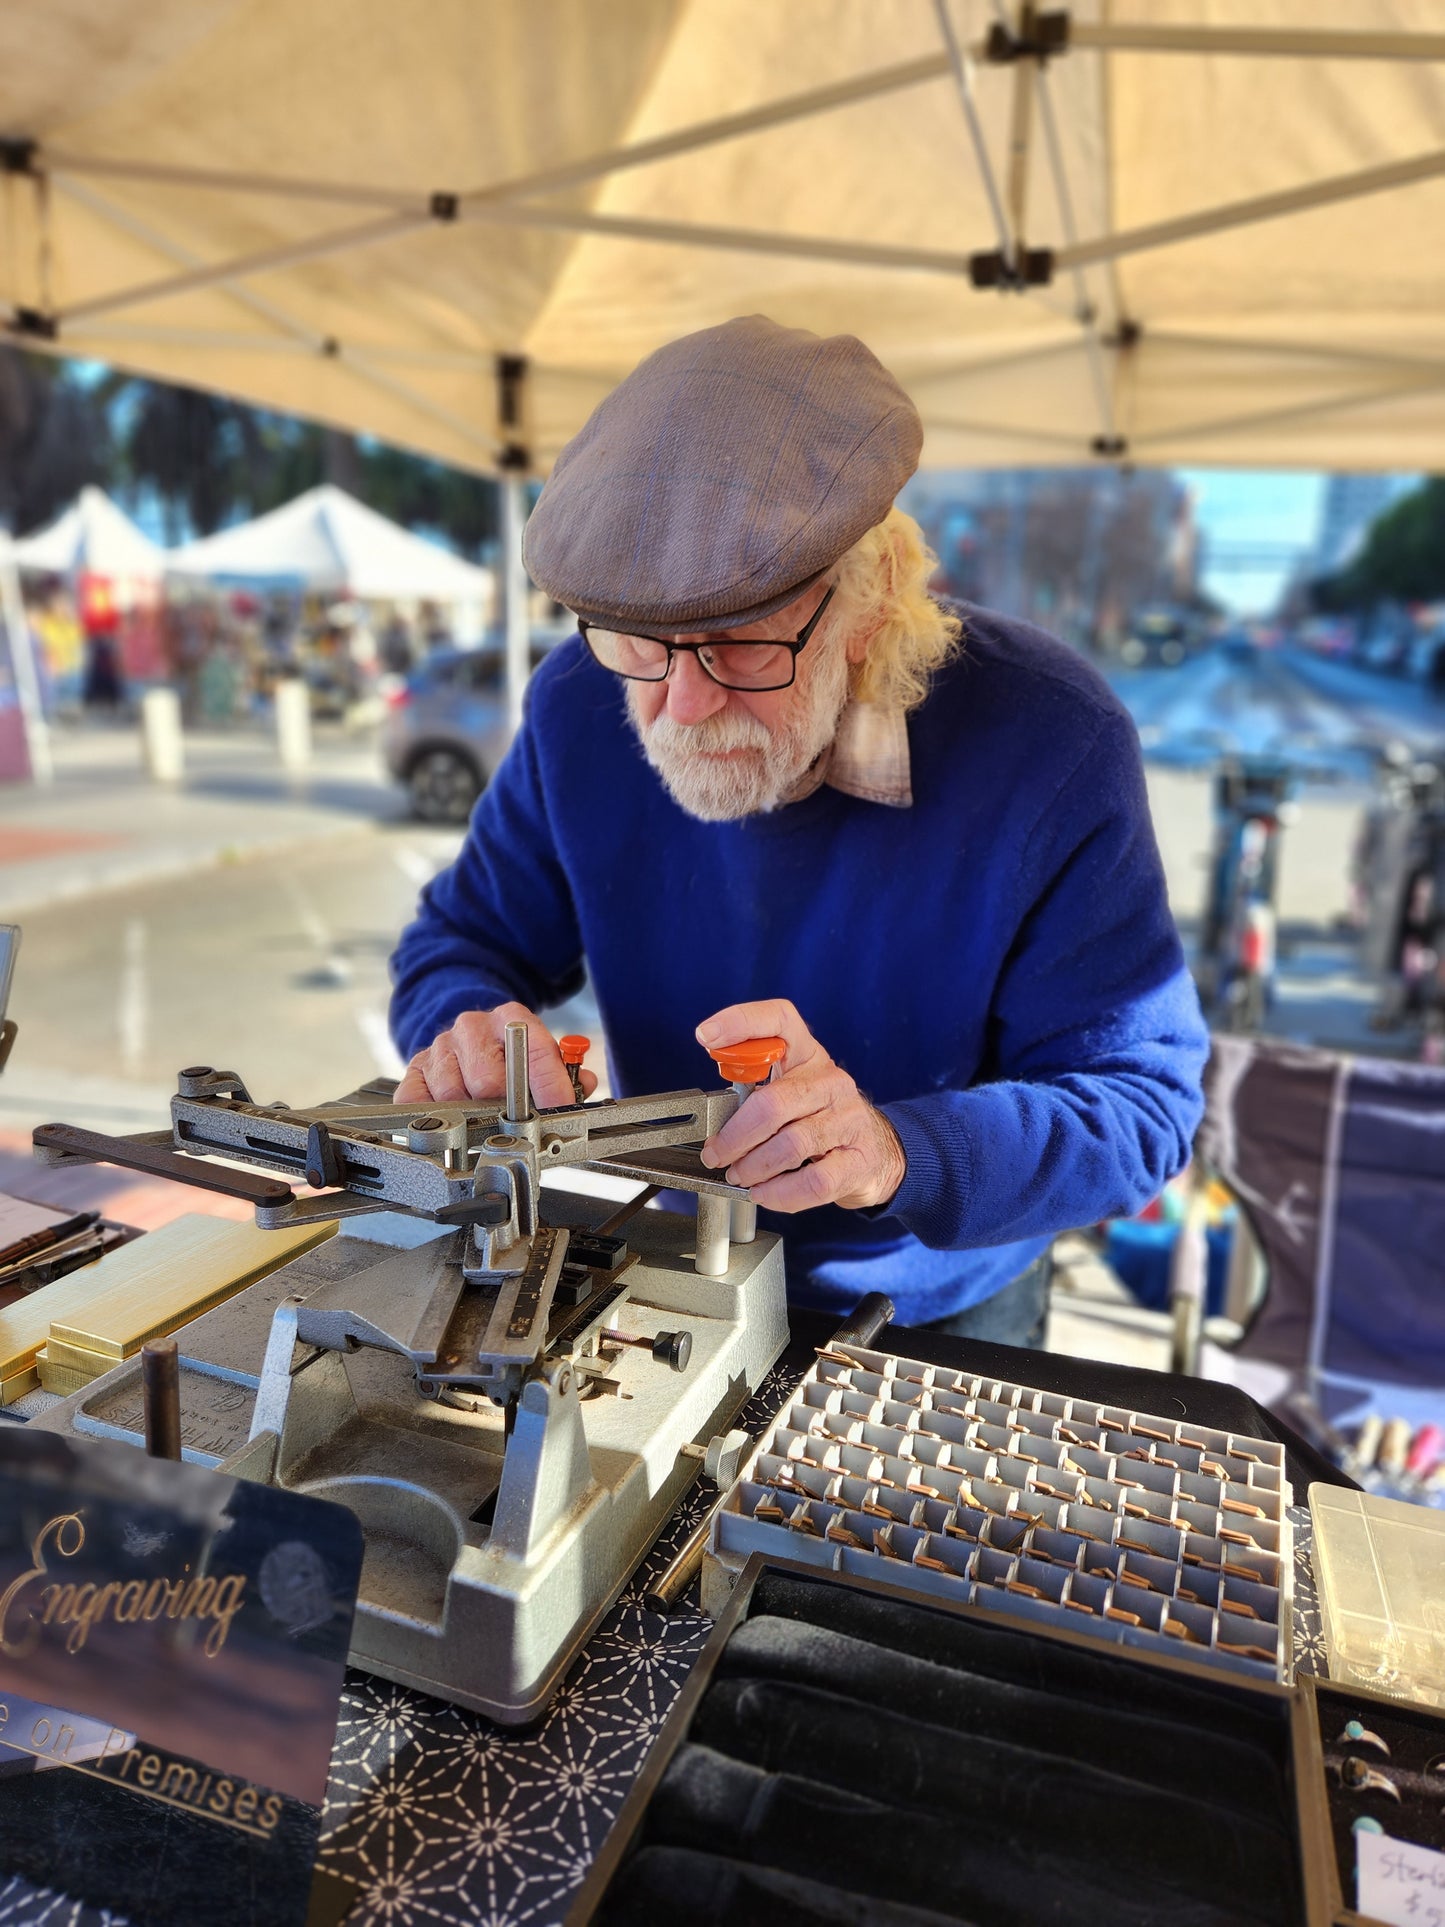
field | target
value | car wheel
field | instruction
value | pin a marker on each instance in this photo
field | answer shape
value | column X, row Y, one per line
column 444, row 785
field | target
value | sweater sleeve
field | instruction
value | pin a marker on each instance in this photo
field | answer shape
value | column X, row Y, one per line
column 500, row 924
column 1096, row 1035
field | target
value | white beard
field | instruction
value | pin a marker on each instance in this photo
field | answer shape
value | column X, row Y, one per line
column 718, row 788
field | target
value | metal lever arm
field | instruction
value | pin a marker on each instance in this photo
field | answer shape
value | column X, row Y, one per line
column 143, row 1154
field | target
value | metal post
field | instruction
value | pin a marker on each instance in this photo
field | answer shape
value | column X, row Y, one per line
column 27, row 677
column 165, row 755
column 293, row 722
column 744, row 1221
column 519, row 648
column 714, row 1223
column 519, row 1095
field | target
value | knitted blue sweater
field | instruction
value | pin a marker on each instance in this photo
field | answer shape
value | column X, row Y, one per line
column 996, row 965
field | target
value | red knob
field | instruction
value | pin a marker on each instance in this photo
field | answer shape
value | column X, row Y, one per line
column 573, row 1049
column 750, row 1061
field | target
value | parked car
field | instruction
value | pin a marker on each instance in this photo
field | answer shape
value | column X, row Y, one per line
column 1158, row 638
column 444, row 730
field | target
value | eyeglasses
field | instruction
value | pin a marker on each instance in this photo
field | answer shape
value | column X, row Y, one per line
column 733, row 665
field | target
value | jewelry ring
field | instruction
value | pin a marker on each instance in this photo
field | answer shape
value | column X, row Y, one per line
column 1364, row 1779
column 1357, row 1734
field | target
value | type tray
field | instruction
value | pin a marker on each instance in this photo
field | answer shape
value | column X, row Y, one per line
column 1146, row 1531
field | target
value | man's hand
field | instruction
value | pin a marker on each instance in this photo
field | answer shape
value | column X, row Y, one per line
column 469, row 1061
column 810, row 1137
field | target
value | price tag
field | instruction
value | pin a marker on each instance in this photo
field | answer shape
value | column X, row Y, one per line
column 1398, row 1882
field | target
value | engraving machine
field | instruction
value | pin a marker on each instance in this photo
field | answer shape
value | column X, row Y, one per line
column 512, row 1408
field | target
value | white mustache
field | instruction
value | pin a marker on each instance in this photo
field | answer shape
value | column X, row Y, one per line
column 712, row 736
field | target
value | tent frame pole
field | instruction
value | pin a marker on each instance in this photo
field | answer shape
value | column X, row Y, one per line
column 1296, row 411
column 27, row 674
column 961, row 66
column 1142, row 36
column 335, row 241
column 518, row 629
column 277, row 316
column 1263, row 207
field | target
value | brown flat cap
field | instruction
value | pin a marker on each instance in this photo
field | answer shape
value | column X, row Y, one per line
column 726, row 473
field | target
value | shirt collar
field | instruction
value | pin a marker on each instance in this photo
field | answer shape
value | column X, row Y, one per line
column 867, row 758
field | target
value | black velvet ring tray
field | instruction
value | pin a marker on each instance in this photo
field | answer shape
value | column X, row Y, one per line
column 1415, row 1764
column 847, row 1753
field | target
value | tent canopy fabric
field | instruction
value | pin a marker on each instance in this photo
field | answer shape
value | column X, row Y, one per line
column 93, row 537
column 328, row 542
column 1215, row 224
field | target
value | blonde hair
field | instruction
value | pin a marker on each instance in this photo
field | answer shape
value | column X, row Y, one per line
column 883, row 587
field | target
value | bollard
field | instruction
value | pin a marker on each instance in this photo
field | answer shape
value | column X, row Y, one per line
column 163, row 744
column 293, row 723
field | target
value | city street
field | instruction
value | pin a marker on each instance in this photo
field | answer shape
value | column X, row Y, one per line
column 246, row 918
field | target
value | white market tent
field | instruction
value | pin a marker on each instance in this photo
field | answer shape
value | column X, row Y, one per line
column 1168, row 230
column 92, row 537
column 329, row 543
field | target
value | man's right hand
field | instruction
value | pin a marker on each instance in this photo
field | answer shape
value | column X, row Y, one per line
column 469, row 1062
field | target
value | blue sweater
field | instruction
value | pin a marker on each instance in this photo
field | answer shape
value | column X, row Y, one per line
column 996, row 966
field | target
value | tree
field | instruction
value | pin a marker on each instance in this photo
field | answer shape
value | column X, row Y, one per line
column 54, row 438
column 1403, row 558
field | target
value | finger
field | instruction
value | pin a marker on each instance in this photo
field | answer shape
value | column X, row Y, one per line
column 818, row 1183
column 413, row 1087
column 771, row 1017
column 476, row 1042
column 805, row 1138
column 588, row 1081
column 444, row 1080
column 546, row 1073
column 771, row 1107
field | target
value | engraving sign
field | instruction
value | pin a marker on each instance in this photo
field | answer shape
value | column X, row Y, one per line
column 172, row 1648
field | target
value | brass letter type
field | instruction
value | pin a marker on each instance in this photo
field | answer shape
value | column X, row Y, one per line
column 245, row 1806
column 4, row 1714
column 271, row 1812
column 220, row 1799
column 150, row 1769
column 67, row 1734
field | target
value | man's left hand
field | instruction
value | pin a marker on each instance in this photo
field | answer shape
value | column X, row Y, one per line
column 808, row 1137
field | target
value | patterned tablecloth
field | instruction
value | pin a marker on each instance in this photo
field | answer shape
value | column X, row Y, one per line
column 439, row 1817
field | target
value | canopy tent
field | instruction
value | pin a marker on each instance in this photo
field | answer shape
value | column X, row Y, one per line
column 328, row 542
column 1205, row 233
column 92, row 537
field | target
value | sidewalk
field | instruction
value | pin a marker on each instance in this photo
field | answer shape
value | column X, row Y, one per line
column 103, row 823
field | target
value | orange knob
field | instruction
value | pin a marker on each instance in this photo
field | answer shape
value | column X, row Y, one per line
column 750, row 1061
column 573, row 1049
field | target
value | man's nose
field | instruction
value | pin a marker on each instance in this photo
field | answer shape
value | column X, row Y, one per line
column 692, row 695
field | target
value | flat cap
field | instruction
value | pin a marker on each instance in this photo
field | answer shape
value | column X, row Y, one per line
column 726, row 473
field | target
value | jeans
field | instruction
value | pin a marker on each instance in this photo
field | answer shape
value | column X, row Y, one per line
column 1014, row 1316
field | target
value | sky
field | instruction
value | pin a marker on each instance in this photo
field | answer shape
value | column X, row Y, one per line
column 1254, row 521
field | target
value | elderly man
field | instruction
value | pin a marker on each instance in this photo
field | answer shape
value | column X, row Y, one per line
column 774, row 788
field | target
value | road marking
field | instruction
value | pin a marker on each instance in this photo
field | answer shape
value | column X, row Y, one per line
column 384, row 1054
column 131, row 1002
column 413, row 865
column 337, row 967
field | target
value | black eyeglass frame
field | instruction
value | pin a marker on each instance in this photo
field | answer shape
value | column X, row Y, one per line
column 794, row 648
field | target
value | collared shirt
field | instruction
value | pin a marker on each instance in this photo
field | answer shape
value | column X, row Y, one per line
column 867, row 758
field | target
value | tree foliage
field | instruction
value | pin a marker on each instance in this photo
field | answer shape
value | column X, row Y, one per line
column 1402, row 560
column 203, row 460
